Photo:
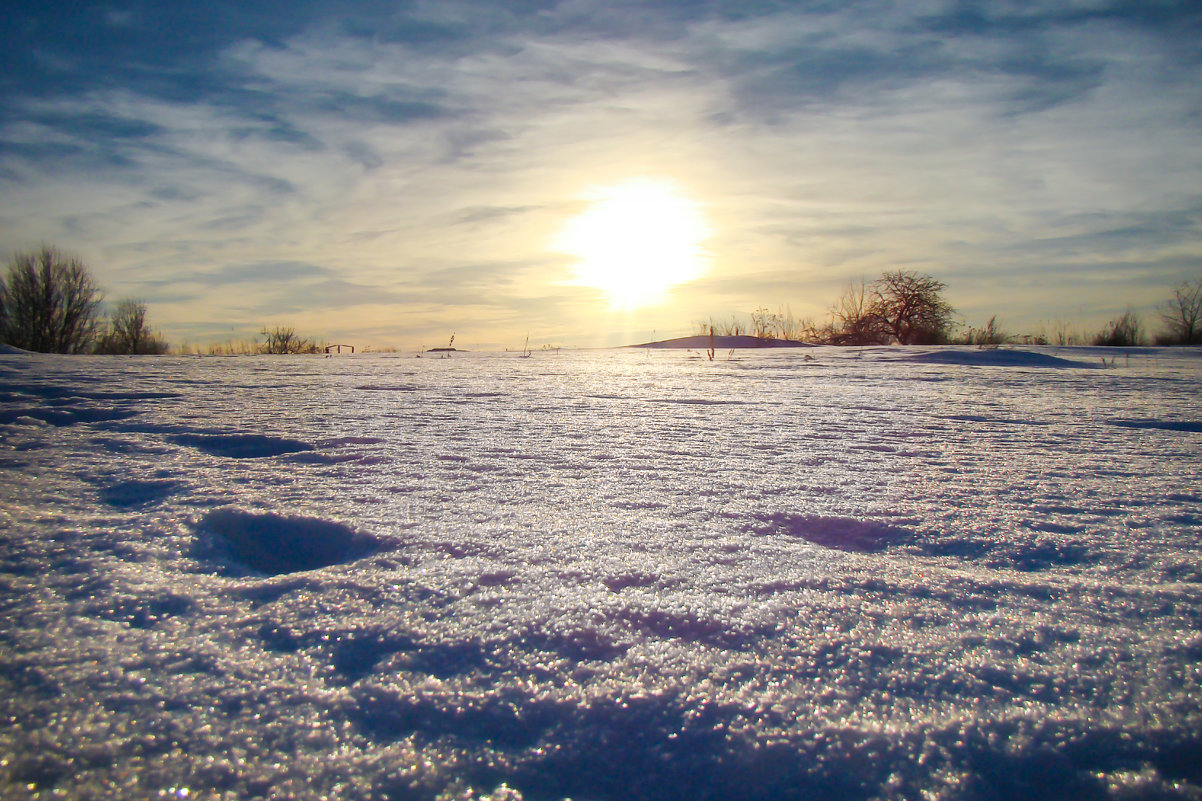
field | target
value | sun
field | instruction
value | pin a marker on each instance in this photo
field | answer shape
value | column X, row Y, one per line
column 635, row 241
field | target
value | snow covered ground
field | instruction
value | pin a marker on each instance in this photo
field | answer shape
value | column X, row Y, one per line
column 829, row 574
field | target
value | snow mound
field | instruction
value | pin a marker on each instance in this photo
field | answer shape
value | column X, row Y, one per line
column 704, row 342
column 273, row 544
column 995, row 358
column 242, row 446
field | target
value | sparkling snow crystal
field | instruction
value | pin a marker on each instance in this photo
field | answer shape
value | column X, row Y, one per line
column 602, row 576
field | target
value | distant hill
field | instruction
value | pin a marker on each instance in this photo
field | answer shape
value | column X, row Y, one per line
column 702, row 342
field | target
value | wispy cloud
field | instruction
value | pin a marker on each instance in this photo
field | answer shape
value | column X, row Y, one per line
column 403, row 168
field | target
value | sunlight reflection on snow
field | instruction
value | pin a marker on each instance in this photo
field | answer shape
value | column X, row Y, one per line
column 608, row 575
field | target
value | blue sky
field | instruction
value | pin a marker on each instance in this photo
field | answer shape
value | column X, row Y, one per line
column 390, row 172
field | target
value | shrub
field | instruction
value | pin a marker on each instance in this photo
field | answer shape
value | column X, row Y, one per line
column 48, row 303
column 901, row 306
column 1121, row 332
column 854, row 321
column 989, row 336
column 280, row 340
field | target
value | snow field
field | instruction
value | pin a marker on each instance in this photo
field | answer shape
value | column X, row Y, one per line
column 892, row 573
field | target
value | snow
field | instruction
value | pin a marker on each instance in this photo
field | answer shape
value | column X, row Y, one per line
column 604, row 575
column 704, row 341
column 995, row 357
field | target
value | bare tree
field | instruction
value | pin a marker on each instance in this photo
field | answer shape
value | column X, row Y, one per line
column 911, row 307
column 853, row 318
column 48, row 303
column 128, row 332
column 1182, row 315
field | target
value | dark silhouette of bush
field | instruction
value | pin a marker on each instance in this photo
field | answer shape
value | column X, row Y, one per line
column 854, row 321
column 280, row 340
column 128, row 333
column 1121, row 331
column 901, row 306
column 911, row 307
column 48, row 303
column 1182, row 316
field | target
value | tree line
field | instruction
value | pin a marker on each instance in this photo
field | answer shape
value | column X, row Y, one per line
column 905, row 307
column 49, row 303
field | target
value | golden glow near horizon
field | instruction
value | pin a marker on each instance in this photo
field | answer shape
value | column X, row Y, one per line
column 635, row 241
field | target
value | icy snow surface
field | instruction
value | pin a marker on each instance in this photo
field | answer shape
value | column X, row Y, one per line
column 610, row 575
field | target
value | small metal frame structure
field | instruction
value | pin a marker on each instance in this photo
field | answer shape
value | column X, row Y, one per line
column 338, row 348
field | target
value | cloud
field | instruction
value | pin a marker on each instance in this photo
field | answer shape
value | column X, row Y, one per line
column 268, row 272
column 423, row 155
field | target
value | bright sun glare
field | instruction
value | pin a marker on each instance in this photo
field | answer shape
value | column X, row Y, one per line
column 635, row 241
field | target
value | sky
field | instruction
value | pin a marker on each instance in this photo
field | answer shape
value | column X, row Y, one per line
column 390, row 173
